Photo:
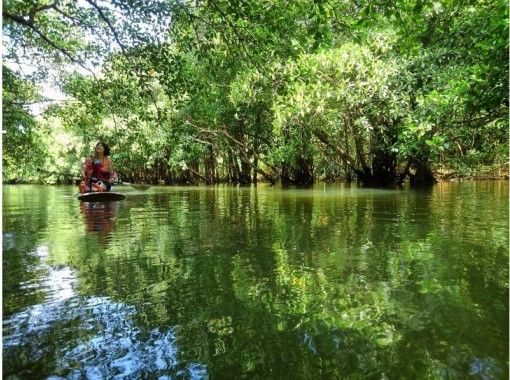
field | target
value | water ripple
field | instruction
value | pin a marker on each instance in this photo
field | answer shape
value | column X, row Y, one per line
column 110, row 344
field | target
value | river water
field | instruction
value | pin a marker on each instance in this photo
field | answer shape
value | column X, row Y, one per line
column 261, row 282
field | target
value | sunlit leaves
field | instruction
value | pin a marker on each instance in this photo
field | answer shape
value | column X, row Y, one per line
column 23, row 146
column 400, row 82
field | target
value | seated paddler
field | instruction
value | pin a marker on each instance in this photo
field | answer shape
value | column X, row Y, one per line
column 97, row 171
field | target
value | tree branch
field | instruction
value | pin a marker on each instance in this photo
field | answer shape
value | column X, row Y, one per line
column 323, row 138
column 105, row 19
column 41, row 101
column 30, row 25
column 76, row 21
column 236, row 33
column 237, row 142
column 20, row 20
column 15, row 18
column 124, row 52
column 34, row 10
column 196, row 173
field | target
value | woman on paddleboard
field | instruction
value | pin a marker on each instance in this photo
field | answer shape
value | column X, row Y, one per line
column 97, row 171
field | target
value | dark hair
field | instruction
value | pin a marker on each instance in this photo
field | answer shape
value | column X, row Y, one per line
column 105, row 147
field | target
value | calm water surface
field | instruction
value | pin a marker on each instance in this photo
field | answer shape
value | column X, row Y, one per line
column 231, row 283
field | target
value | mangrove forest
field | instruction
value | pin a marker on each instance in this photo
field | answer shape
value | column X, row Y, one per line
column 245, row 91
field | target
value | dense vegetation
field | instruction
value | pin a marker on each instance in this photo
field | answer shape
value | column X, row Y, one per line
column 233, row 91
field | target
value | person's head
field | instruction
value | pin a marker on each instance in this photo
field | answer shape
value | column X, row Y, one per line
column 103, row 148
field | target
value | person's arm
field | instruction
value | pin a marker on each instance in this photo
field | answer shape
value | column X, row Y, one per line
column 85, row 171
column 113, row 173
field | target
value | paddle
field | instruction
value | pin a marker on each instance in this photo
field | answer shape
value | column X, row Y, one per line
column 138, row 186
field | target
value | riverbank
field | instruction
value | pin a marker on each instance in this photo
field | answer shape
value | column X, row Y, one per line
column 444, row 177
column 480, row 173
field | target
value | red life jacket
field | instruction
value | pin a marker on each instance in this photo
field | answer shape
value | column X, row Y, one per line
column 98, row 170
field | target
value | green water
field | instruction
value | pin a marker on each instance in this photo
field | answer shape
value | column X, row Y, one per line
column 257, row 283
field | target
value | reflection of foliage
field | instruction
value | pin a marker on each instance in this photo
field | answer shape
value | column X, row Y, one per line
column 347, row 283
column 109, row 342
column 19, row 246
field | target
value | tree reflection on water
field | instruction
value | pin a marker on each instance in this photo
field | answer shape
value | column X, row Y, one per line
column 109, row 343
column 259, row 283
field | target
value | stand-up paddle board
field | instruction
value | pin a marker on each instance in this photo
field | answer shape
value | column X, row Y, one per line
column 104, row 196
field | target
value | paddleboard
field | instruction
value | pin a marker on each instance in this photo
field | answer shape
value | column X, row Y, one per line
column 105, row 196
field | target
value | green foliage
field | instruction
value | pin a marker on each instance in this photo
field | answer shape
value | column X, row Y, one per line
column 23, row 146
column 296, row 91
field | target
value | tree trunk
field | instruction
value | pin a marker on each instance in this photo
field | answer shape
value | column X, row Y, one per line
column 234, row 168
column 255, row 165
column 285, row 175
column 245, row 179
column 423, row 176
column 303, row 175
column 209, row 165
column 382, row 171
